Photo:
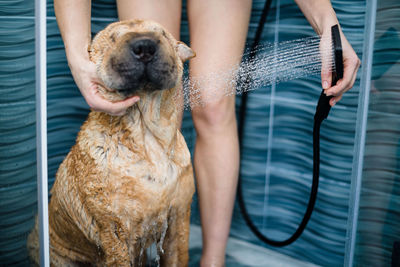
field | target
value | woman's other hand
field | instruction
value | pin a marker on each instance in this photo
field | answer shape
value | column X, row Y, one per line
column 351, row 63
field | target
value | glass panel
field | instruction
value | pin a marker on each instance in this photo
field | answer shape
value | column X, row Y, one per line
column 379, row 217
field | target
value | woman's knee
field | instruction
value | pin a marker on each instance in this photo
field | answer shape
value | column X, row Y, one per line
column 215, row 116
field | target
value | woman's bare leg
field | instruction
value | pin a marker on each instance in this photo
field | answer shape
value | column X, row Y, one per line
column 218, row 32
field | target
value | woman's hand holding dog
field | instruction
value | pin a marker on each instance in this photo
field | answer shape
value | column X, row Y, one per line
column 85, row 76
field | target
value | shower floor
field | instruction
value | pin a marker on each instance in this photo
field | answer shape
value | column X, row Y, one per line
column 240, row 253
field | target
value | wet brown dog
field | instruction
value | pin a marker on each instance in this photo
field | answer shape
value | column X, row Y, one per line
column 128, row 181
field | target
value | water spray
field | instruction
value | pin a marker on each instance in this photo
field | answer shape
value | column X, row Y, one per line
column 263, row 65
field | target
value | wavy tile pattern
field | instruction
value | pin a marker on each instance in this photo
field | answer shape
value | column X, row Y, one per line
column 17, row 136
column 379, row 217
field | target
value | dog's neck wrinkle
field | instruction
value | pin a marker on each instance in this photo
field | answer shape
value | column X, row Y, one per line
column 158, row 116
column 154, row 113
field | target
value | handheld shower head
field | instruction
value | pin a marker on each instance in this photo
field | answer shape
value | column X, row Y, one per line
column 323, row 106
column 337, row 73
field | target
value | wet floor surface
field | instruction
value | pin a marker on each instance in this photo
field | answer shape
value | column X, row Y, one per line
column 242, row 254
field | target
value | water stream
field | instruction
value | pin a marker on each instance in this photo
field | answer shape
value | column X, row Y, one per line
column 272, row 63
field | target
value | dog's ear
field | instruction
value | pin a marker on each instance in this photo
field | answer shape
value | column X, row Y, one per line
column 184, row 51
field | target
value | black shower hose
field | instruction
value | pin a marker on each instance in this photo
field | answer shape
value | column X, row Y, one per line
column 321, row 113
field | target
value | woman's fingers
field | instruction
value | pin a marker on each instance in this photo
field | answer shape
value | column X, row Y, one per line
column 349, row 76
column 98, row 103
column 335, row 99
column 351, row 64
column 88, row 81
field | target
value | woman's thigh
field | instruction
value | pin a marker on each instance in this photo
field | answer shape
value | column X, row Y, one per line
column 165, row 12
column 218, row 31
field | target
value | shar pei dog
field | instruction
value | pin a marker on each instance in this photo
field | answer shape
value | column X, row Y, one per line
column 128, row 181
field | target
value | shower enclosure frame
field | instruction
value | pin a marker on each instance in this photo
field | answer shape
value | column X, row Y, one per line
column 41, row 129
column 361, row 130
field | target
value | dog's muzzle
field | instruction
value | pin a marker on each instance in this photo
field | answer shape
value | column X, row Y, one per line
column 142, row 64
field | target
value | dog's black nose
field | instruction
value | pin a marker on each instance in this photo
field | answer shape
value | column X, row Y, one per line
column 144, row 49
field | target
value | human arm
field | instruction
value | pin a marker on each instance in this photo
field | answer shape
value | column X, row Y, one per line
column 73, row 18
column 322, row 17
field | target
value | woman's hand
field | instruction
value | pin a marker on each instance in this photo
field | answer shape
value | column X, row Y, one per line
column 85, row 76
column 351, row 63
column 73, row 18
column 322, row 17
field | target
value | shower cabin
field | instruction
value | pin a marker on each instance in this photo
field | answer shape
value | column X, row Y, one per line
column 356, row 221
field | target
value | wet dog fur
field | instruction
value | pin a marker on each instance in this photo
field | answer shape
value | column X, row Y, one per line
column 128, row 180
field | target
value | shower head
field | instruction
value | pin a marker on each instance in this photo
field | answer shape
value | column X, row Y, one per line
column 323, row 106
column 337, row 73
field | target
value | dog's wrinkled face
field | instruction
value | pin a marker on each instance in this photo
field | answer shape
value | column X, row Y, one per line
column 136, row 55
